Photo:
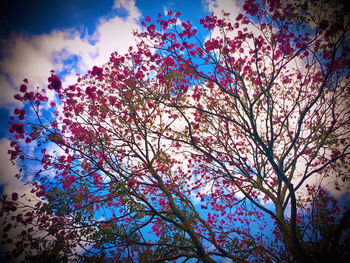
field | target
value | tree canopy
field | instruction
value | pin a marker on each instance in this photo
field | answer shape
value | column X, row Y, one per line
column 187, row 147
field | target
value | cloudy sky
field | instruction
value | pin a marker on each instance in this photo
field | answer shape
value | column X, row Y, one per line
column 71, row 37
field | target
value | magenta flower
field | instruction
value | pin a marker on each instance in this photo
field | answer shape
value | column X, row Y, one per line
column 17, row 127
column 55, row 83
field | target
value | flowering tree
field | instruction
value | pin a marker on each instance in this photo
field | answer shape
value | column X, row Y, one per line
column 188, row 149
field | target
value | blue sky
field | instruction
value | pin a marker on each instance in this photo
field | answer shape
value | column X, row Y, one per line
column 71, row 37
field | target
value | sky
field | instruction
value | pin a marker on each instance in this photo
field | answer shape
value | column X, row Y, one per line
column 71, row 37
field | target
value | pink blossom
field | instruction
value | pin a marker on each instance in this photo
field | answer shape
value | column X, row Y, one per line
column 55, row 83
column 17, row 127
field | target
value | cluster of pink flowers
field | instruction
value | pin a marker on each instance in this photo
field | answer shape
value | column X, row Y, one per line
column 54, row 83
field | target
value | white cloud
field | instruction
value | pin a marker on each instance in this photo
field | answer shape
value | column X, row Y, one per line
column 13, row 185
column 26, row 201
column 297, row 65
column 8, row 171
column 114, row 35
column 128, row 5
column 6, row 91
column 67, row 50
column 33, row 57
column 216, row 7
